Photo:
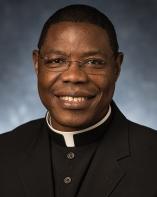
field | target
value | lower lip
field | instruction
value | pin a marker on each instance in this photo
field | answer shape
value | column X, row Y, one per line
column 75, row 104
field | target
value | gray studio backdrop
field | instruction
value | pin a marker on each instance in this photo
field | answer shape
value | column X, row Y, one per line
column 21, row 22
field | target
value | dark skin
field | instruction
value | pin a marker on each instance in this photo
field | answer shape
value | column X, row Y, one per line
column 91, row 93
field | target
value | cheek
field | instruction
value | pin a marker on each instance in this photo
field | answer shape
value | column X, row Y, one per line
column 108, row 89
column 105, row 82
column 106, row 85
column 46, row 81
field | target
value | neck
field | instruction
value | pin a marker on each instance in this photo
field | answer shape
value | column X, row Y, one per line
column 69, row 136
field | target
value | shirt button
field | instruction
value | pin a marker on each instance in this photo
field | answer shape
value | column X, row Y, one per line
column 71, row 155
column 67, row 180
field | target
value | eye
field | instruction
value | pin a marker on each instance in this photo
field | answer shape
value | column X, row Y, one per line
column 96, row 62
column 55, row 61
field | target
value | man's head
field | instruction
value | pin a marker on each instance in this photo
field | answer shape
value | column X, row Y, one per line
column 81, row 13
column 77, row 66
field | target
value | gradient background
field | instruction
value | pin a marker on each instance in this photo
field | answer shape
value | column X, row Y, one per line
column 21, row 22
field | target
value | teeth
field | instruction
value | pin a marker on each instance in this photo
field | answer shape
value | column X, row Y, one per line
column 74, row 99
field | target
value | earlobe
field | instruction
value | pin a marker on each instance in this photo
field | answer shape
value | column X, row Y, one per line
column 36, row 67
column 35, row 60
column 119, row 60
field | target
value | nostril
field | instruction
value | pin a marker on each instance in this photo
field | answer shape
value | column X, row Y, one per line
column 74, row 74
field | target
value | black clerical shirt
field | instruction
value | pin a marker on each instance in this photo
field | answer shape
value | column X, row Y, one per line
column 70, row 164
column 71, row 159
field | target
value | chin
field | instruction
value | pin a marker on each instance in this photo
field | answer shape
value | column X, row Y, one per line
column 71, row 123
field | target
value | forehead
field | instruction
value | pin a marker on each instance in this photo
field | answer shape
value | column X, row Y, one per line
column 76, row 36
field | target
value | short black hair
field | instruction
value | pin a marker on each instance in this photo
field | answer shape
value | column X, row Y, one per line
column 81, row 13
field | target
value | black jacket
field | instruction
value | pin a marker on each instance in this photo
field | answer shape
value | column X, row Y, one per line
column 125, row 164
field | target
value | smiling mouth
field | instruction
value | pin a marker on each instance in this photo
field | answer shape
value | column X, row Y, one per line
column 75, row 102
column 73, row 99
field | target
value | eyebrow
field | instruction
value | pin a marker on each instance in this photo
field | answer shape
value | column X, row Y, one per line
column 84, row 54
column 58, row 52
column 93, row 52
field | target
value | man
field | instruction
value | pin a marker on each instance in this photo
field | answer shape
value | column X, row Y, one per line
column 84, row 146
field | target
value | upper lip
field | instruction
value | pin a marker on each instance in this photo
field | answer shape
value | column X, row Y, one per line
column 74, row 94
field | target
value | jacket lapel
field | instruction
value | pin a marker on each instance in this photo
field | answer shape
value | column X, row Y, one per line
column 35, row 170
column 105, row 173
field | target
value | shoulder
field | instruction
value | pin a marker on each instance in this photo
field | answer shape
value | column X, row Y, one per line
column 24, row 128
column 137, row 133
column 142, row 139
column 141, row 130
column 20, row 136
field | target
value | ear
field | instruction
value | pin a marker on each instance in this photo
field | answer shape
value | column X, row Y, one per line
column 35, row 55
column 118, row 63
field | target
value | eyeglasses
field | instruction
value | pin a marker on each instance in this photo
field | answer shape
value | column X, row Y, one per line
column 90, row 66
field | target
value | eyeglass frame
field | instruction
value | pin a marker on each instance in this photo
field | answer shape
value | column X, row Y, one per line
column 80, row 64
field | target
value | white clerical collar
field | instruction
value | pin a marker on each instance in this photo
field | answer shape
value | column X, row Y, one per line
column 69, row 136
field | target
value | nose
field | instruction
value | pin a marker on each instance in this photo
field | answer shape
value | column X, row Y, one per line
column 74, row 74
